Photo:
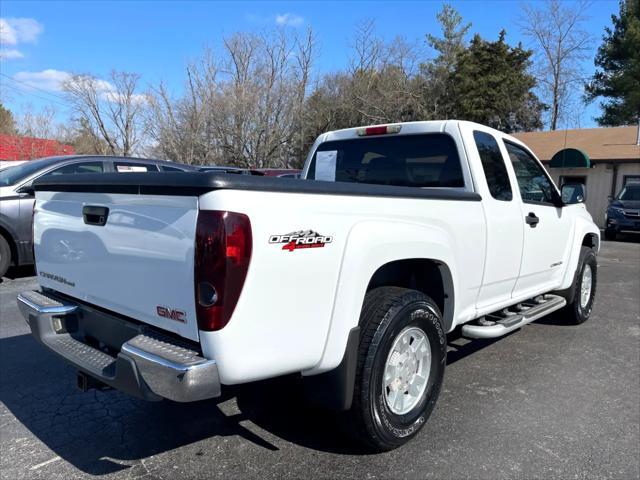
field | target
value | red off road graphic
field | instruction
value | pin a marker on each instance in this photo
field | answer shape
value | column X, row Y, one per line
column 301, row 239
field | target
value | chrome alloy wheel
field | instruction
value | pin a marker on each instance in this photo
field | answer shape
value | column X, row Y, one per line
column 407, row 370
column 585, row 286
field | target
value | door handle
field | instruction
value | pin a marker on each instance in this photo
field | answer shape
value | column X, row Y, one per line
column 532, row 220
column 95, row 215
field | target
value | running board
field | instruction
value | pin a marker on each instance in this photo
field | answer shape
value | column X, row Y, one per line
column 509, row 319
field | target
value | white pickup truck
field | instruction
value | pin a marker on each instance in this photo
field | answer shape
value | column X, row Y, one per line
column 171, row 285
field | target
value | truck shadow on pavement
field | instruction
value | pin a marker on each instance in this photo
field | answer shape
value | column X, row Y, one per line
column 97, row 429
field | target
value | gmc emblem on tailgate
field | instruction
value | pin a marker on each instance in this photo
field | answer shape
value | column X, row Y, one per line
column 177, row 315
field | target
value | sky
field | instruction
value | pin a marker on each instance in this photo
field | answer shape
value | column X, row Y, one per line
column 42, row 42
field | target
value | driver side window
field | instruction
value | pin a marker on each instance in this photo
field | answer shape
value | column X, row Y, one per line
column 535, row 186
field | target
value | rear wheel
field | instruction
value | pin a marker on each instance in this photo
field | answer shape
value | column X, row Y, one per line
column 5, row 256
column 585, row 281
column 400, row 369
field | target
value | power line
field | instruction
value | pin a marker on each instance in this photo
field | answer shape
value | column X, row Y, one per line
column 23, row 92
column 29, row 86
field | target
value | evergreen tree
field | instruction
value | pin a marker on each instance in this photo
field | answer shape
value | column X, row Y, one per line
column 617, row 78
column 493, row 86
column 7, row 123
column 437, row 75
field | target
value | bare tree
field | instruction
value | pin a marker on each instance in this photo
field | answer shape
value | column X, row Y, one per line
column 110, row 111
column 243, row 107
column 557, row 33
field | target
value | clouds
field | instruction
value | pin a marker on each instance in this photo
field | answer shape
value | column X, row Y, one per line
column 281, row 20
column 289, row 20
column 10, row 54
column 49, row 80
column 16, row 31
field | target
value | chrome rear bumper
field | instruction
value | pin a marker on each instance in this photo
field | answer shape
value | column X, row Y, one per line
column 149, row 365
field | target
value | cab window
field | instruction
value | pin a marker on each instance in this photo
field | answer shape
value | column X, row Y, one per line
column 534, row 184
column 493, row 166
column 427, row 160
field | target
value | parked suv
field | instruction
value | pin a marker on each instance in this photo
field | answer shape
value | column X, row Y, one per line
column 16, row 195
column 623, row 213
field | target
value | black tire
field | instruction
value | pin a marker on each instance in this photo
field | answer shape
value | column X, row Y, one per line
column 5, row 256
column 575, row 313
column 386, row 312
column 609, row 234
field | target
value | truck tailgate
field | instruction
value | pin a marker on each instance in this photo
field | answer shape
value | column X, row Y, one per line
column 131, row 254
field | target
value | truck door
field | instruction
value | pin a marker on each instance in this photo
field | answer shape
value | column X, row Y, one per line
column 546, row 228
column 502, row 216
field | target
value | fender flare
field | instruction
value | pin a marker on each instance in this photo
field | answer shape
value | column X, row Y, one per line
column 394, row 241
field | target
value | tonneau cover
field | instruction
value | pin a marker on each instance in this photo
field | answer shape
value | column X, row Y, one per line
column 198, row 183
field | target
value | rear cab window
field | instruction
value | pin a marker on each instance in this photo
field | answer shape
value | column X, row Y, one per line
column 424, row 160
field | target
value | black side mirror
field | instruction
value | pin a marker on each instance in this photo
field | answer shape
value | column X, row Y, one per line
column 573, row 193
column 610, row 198
column 26, row 190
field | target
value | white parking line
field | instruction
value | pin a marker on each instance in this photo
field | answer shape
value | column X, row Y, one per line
column 40, row 465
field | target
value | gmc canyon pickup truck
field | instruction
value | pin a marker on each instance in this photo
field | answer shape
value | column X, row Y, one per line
column 171, row 285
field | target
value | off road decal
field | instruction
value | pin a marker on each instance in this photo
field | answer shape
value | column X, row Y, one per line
column 301, row 239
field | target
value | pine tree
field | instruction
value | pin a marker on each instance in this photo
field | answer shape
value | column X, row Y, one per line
column 493, row 86
column 437, row 75
column 617, row 78
column 7, row 123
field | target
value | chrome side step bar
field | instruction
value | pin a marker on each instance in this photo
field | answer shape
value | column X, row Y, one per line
column 509, row 319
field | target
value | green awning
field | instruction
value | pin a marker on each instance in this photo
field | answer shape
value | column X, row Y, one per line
column 570, row 158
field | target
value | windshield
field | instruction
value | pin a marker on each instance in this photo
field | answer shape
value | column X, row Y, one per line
column 14, row 175
column 630, row 192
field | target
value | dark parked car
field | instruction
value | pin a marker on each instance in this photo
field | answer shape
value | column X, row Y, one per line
column 623, row 213
column 16, row 195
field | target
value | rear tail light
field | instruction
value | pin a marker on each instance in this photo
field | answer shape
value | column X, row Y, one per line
column 379, row 130
column 222, row 255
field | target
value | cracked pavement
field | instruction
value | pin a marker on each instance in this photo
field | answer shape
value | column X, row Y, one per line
column 548, row 401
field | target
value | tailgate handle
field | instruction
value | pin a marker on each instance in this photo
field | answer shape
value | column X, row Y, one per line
column 95, row 215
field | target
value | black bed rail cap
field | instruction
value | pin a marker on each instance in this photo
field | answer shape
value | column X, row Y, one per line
column 199, row 183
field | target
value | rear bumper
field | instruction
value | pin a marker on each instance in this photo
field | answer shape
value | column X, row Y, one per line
column 148, row 365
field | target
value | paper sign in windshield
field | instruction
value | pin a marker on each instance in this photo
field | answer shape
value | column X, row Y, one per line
column 326, row 165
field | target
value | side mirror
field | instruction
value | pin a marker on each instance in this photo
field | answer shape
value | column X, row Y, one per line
column 610, row 198
column 573, row 193
column 26, row 190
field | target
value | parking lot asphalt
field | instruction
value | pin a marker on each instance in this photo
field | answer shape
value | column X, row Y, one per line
column 548, row 401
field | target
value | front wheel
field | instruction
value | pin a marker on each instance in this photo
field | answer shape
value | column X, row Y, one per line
column 585, row 281
column 400, row 369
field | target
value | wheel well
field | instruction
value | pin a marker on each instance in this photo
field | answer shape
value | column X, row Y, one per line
column 12, row 245
column 590, row 240
column 428, row 276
